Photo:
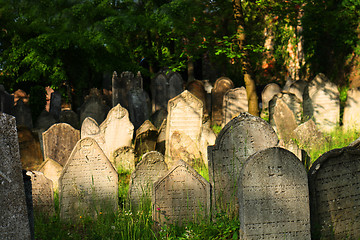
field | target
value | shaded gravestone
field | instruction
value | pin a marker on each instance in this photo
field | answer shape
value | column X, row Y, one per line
column 351, row 117
column 139, row 107
column 241, row 137
column 30, row 151
column 116, row 85
column 288, row 83
column 297, row 88
column 159, row 92
column 268, row 93
column 14, row 222
column 161, row 140
column 197, row 88
column 158, row 117
column 175, row 84
column 181, row 195
column 6, row 101
column 51, row 170
column 184, row 119
column 59, row 140
column 221, row 86
column 70, row 117
column 29, row 202
column 42, row 193
column 55, row 105
column 274, row 197
column 88, row 184
column 234, row 102
column 45, row 120
column 334, row 194
column 151, row 167
column 322, row 103
column 90, row 128
column 146, row 137
column 22, row 114
column 294, row 104
column 123, row 159
column 94, row 107
column 117, row 130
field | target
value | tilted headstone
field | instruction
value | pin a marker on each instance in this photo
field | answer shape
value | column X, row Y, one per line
column 221, row 86
column 94, row 107
column 151, row 167
column 158, row 117
column 235, row 101
column 241, row 137
column 88, row 184
column 322, row 103
column 123, row 159
column 59, row 140
column 139, row 107
column 274, row 197
column 351, row 118
column 184, row 119
column 22, row 114
column 69, row 117
column 268, row 93
column 297, row 88
column 6, row 101
column 90, row 128
column 31, row 156
column 146, row 137
column 181, row 195
column 14, row 222
column 308, row 136
column 55, row 105
column 288, row 83
column 334, row 185
column 291, row 101
column 161, row 140
column 51, row 170
column 197, row 88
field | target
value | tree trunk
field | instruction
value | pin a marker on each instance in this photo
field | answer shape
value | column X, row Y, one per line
column 245, row 63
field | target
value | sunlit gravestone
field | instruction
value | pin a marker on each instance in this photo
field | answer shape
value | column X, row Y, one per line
column 235, row 101
column 221, row 86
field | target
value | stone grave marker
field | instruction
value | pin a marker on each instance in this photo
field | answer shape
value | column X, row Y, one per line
column 6, row 101
column 123, row 158
column 94, row 107
column 334, row 185
column 235, row 101
column 146, row 137
column 22, row 114
column 294, row 104
column 185, row 121
column 308, row 136
column 221, row 86
column 55, row 105
column 158, row 117
column 70, row 117
column 181, row 195
column 31, row 156
column 51, row 170
column 139, row 106
column 241, row 137
column 160, row 142
column 151, row 167
column 45, row 120
column 268, row 93
column 274, row 196
column 14, row 222
column 42, row 193
column 208, row 138
column 90, row 128
column 197, row 88
column 88, row 183
column 298, row 88
column 175, row 84
column 159, row 92
column 322, row 103
column 58, row 141
column 351, row 118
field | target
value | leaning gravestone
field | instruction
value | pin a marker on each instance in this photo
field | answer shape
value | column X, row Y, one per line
column 94, row 107
column 298, row 88
column 145, row 140
column 139, row 106
column 221, row 86
column 235, row 101
column 351, row 118
column 123, row 159
column 88, row 183
column 14, row 222
column 322, row 103
column 51, row 170
column 175, row 84
column 294, row 104
column 44, row 121
column 334, row 185
column 274, row 196
column 151, row 167
column 241, row 137
column 207, row 138
column 22, row 114
column 181, row 195
column 58, row 141
column 268, row 93
column 308, row 136
column 160, row 142
column 90, row 128
column 158, row 117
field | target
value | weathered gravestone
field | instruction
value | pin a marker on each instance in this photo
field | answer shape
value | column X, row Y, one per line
column 298, row 88
column 139, row 107
column 14, row 222
column 42, row 193
column 268, row 93
column 181, row 195
column 88, row 184
column 160, row 142
column 146, row 137
column 22, row 114
column 351, row 118
column 207, row 138
column 122, row 85
column 334, row 185
column 183, row 126
column 6, row 101
column 90, row 128
column 30, row 151
column 94, row 107
column 70, row 117
column 55, row 105
column 151, row 167
column 123, row 158
column 158, row 117
column 44, row 121
column 51, row 170
column 274, row 196
column 221, row 86
column 197, row 88
column 175, row 84
column 235, row 101
column 58, row 141
column 308, row 136
column 241, row 137
column 322, row 103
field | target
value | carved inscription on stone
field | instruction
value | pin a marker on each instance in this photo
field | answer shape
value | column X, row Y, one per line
column 235, row 102
column 88, row 184
column 274, row 197
column 334, row 194
column 181, row 195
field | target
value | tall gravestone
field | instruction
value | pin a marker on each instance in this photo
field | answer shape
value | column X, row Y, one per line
column 197, row 88
column 334, row 185
column 55, row 105
column 88, row 183
column 51, row 170
column 235, row 101
column 221, row 86
column 351, row 118
column 322, row 103
column 121, row 86
column 151, row 167
column 160, row 142
column 175, row 84
column 94, row 106
column 139, row 106
column 44, row 121
column 181, row 195
column 241, row 137
column 14, row 222
column 58, row 141
column 184, row 121
column 22, row 114
column 274, row 196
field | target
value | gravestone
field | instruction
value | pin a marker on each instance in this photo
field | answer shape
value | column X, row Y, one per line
column 121, row 86
column 207, row 138
column 139, row 107
column 181, row 195
column 58, row 141
column 221, row 86
column 151, row 167
column 6, row 101
column 184, row 119
column 14, row 222
column 274, row 197
column 197, row 88
column 90, row 128
column 42, row 193
column 45, row 120
column 297, row 88
column 88, row 184
column 161, row 140
column 183, row 147
column 294, row 104
column 70, row 117
column 30, row 151
column 117, row 130
column 22, row 114
column 241, row 137
column 351, row 118
column 175, row 84
column 268, row 93
column 334, row 185
column 55, row 105
column 158, row 117
column 322, row 103
column 235, row 101
column 51, row 170
column 308, row 136
column 146, row 137
column 94, row 107
column 123, row 159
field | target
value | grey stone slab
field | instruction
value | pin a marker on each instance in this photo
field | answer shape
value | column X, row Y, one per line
column 268, row 93
column 45, row 120
column 22, row 114
column 197, row 88
column 298, row 88
column 146, row 137
column 221, row 86
column 234, row 102
column 6, row 101
column 139, row 107
column 55, row 105
column 70, row 117
column 94, row 106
